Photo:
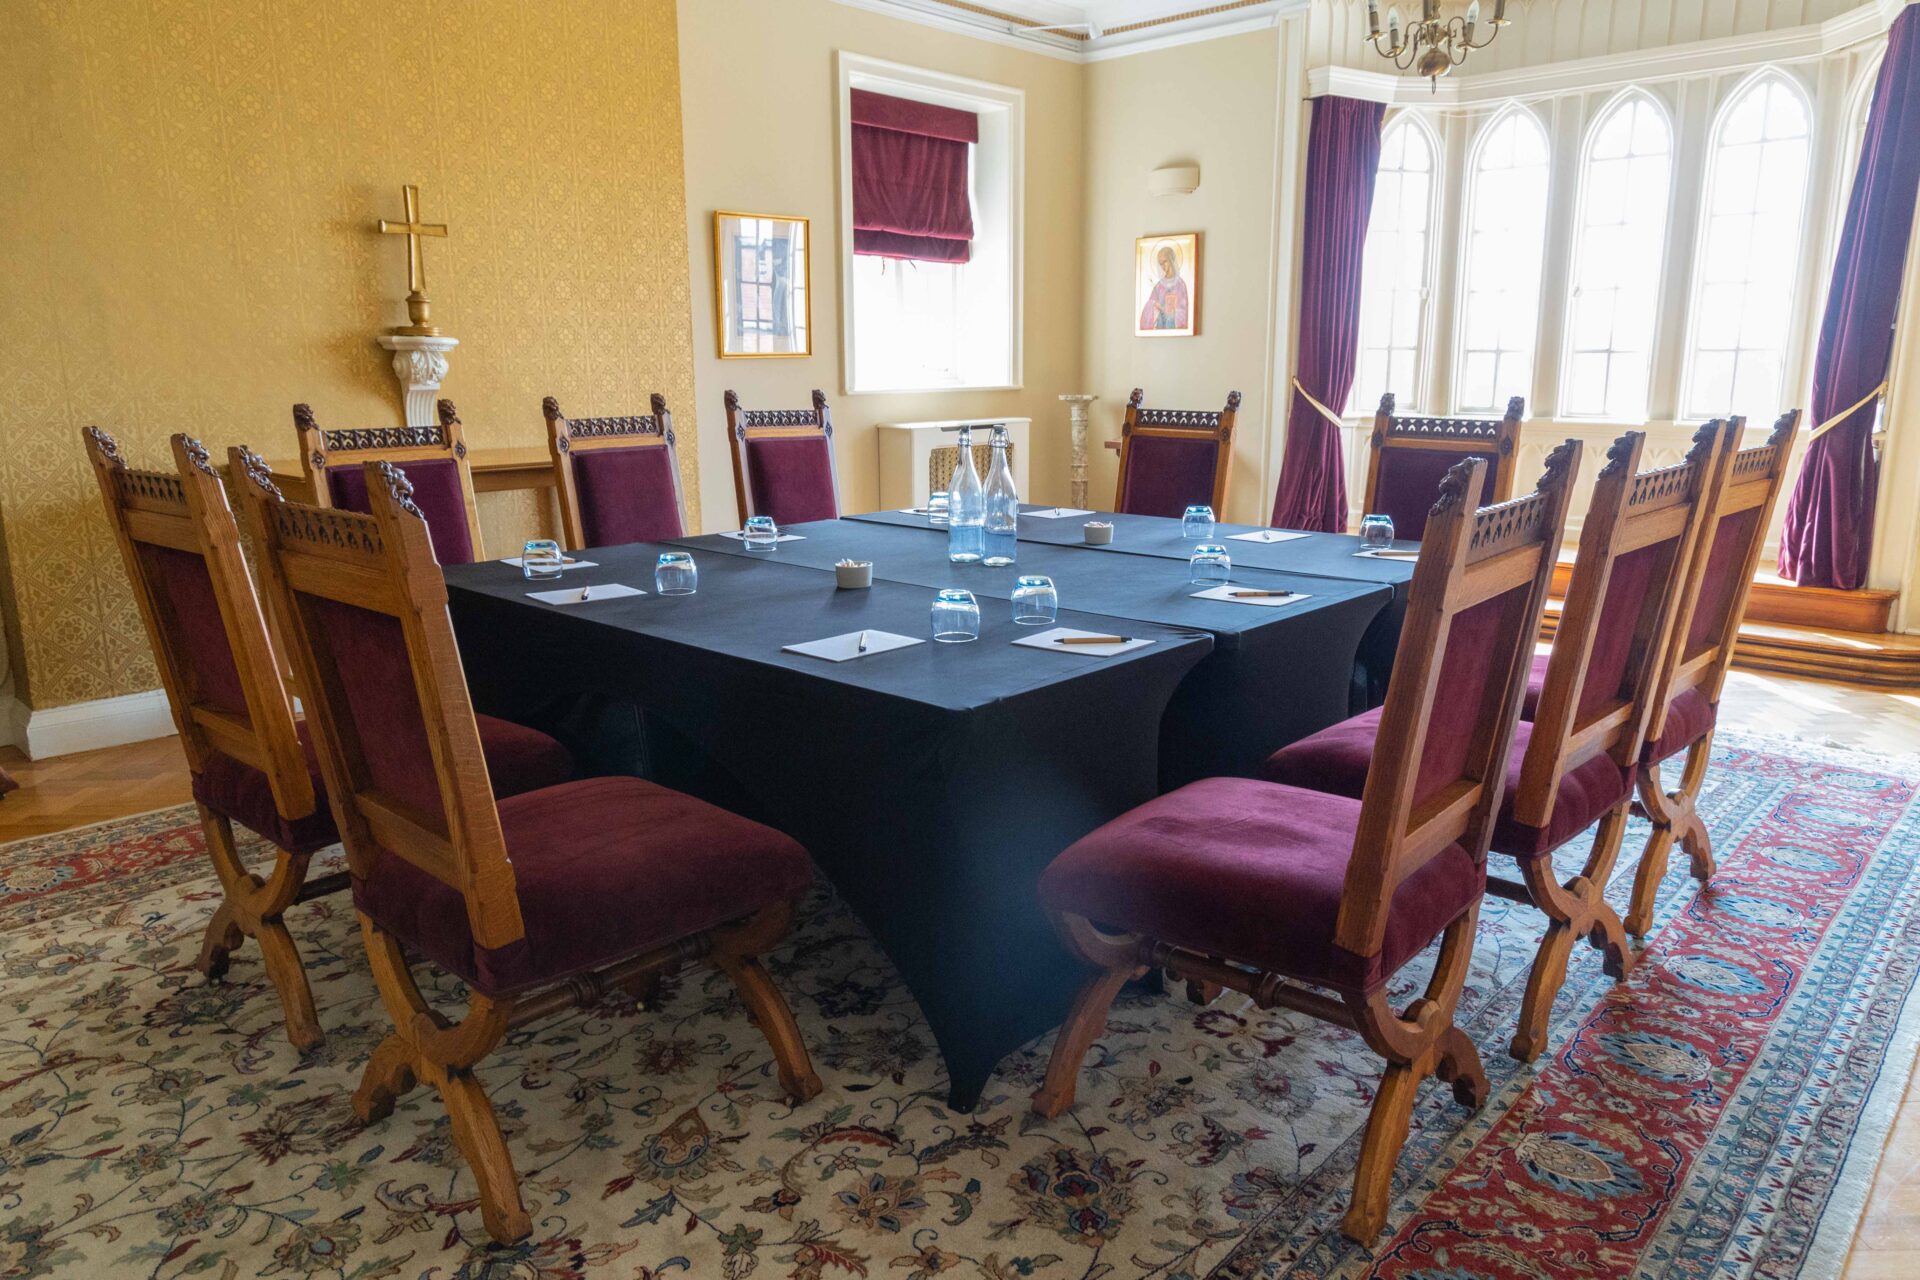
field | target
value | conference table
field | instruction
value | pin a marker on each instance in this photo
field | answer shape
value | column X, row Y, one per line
column 931, row 783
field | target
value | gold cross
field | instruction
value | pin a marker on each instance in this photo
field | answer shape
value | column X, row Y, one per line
column 413, row 229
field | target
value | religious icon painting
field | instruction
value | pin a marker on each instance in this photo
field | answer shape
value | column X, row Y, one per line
column 1166, row 285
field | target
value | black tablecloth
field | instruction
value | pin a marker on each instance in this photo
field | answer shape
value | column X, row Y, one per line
column 1275, row 674
column 931, row 784
column 1321, row 555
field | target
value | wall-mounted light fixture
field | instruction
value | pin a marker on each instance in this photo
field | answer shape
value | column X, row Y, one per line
column 1174, row 180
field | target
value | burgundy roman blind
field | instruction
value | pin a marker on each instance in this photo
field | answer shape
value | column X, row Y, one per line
column 910, row 197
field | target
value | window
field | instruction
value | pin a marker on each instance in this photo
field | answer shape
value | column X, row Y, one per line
column 918, row 324
column 1394, row 272
column 1506, row 240
column 1620, row 241
column 1749, row 244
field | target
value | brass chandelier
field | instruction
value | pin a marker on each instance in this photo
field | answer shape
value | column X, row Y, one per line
column 1433, row 45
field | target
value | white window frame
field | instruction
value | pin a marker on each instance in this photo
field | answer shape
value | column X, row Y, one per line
column 1421, row 391
column 1462, row 290
column 1695, row 294
column 999, row 194
column 1568, row 324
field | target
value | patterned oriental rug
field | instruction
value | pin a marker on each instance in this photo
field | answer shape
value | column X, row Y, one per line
column 1718, row 1115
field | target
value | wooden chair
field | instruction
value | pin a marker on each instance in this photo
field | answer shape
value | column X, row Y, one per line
column 1571, row 764
column 783, row 462
column 538, row 902
column 435, row 460
column 1410, row 455
column 618, row 478
column 1172, row 459
column 1288, row 894
column 181, row 548
column 1687, row 706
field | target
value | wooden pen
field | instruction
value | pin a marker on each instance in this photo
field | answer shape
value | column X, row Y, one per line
column 1256, row 595
column 1093, row 640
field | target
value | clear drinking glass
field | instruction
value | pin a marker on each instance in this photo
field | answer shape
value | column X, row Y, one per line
column 1376, row 533
column 1210, row 566
column 674, row 574
column 956, row 616
column 540, row 560
column 762, row 533
column 1035, row 602
column 1197, row 523
column 937, row 510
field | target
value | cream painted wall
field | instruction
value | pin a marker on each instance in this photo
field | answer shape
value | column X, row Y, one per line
column 1213, row 104
column 759, row 105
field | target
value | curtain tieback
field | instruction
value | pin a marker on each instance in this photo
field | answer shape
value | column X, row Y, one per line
column 1324, row 412
column 1846, row 413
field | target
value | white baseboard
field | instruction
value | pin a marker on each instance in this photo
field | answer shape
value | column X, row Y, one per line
column 88, row 726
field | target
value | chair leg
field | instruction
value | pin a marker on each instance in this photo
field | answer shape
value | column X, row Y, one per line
column 425, row 1046
column 1085, row 1022
column 1674, row 817
column 1387, row 1126
column 1578, row 908
column 254, row 908
column 1460, row 1067
column 736, row 953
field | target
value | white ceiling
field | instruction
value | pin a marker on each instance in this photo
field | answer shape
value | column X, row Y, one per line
column 1163, row 21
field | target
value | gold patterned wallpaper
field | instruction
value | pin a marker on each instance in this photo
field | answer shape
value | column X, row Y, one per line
column 187, row 243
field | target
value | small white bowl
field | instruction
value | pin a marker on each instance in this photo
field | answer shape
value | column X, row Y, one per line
column 1098, row 533
column 854, row 575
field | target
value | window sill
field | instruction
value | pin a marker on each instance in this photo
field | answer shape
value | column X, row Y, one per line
column 934, row 391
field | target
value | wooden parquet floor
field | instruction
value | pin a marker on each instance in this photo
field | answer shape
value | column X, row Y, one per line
column 96, row 786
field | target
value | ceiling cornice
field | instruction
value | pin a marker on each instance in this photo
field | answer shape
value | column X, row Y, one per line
column 1191, row 22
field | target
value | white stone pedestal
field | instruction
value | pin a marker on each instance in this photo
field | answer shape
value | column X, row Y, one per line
column 1077, row 406
column 420, row 364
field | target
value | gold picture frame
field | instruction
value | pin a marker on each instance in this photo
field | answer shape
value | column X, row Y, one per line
column 1166, row 285
column 762, row 286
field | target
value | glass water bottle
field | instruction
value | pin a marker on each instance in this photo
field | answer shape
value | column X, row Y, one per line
column 1003, row 507
column 966, row 507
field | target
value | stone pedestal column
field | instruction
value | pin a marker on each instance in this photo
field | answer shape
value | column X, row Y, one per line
column 420, row 363
column 1077, row 406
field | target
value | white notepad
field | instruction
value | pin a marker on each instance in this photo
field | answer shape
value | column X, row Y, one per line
column 565, row 565
column 1056, row 513
column 847, row 647
column 593, row 595
column 1226, row 593
column 741, row 536
column 1266, row 535
column 1049, row 640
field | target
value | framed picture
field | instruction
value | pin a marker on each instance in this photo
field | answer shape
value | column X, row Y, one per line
column 1166, row 285
column 762, row 286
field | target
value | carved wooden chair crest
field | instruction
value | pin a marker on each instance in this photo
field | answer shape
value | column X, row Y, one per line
column 435, row 460
column 181, row 547
column 1739, row 503
column 539, row 902
column 618, row 479
column 1410, row 455
column 1286, row 893
column 1171, row 459
column 783, row 462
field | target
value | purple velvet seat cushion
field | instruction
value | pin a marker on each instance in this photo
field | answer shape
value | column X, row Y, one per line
column 1165, row 475
column 1253, row 872
column 604, row 868
column 1689, row 719
column 1337, row 760
column 518, row 759
column 436, row 491
column 1410, row 482
column 627, row 495
column 791, row 479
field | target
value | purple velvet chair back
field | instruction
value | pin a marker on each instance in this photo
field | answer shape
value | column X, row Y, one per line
column 1172, row 459
column 181, row 548
column 434, row 458
column 783, row 462
column 1453, row 702
column 387, row 700
column 618, row 479
column 1624, row 594
column 1412, row 455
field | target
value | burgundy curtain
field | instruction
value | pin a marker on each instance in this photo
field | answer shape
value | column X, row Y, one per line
column 1829, row 529
column 1343, row 158
column 910, row 189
